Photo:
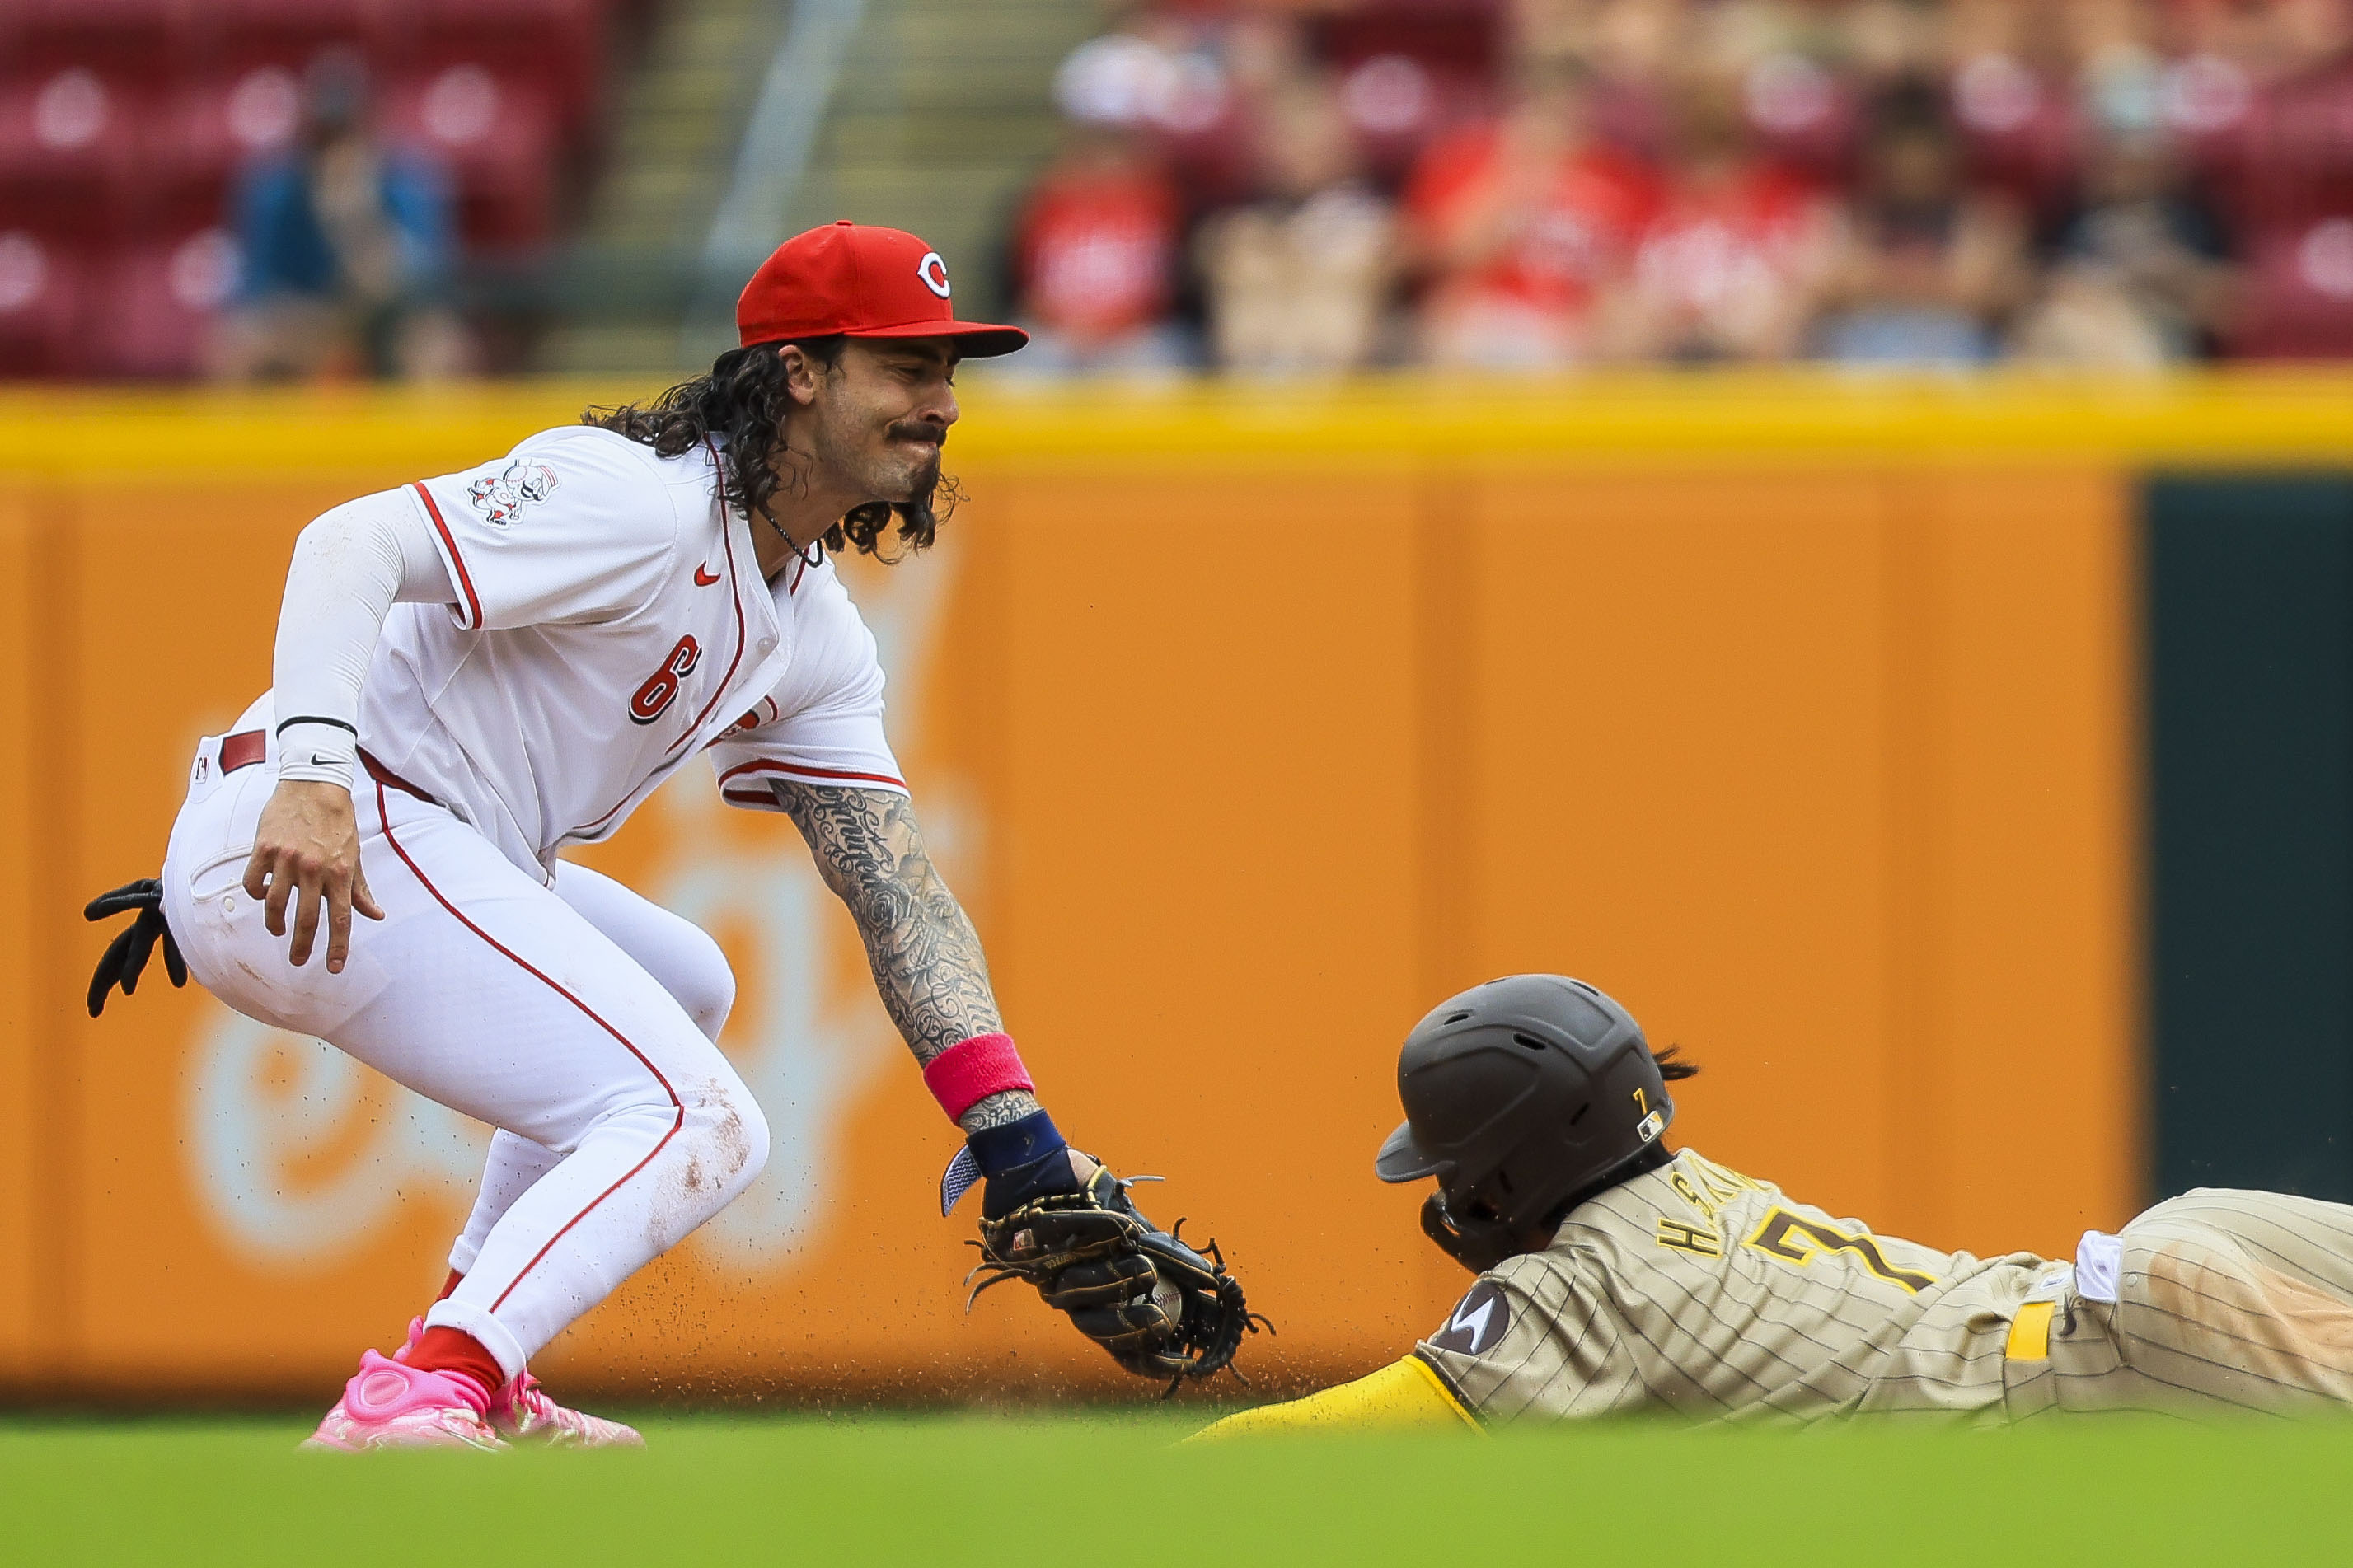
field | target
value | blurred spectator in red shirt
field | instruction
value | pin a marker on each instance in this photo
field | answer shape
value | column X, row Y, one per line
column 2142, row 276
column 1929, row 268
column 347, row 249
column 1734, row 265
column 1296, row 279
column 1517, row 225
column 1094, row 258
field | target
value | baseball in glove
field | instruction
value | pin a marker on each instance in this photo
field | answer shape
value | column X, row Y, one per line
column 1161, row 1309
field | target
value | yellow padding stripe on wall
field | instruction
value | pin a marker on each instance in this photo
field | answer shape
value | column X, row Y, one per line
column 2232, row 415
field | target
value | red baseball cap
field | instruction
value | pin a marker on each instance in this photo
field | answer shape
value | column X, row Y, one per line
column 863, row 282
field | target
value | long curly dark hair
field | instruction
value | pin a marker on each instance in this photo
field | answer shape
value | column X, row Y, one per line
column 741, row 407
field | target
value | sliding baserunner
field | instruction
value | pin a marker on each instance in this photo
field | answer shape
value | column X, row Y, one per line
column 1615, row 1274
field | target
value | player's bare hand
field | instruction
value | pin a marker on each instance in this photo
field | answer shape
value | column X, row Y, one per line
column 306, row 854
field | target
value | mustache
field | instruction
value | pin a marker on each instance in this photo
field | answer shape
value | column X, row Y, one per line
column 918, row 430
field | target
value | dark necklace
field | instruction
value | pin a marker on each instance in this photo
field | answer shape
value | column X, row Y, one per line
column 817, row 559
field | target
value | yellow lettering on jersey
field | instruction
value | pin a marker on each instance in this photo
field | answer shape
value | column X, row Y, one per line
column 1726, row 1185
column 1684, row 1238
column 1642, row 1101
column 1691, row 1194
column 1793, row 1239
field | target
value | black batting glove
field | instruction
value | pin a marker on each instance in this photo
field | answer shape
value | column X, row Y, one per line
column 125, row 958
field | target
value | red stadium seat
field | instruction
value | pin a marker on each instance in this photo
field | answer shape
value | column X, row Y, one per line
column 497, row 137
column 141, row 41
column 1801, row 112
column 192, row 147
column 160, row 300
column 65, row 151
column 40, row 301
column 243, row 33
column 554, row 46
column 2299, row 301
column 2298, row 150
column 1444, row 34
column 2019, row 127
column 1396, row 105
column 2208, row 104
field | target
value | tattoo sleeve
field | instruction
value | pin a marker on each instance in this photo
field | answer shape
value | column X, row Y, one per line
column 925, row 956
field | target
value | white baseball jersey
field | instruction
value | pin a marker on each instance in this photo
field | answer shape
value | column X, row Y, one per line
column 611, row 622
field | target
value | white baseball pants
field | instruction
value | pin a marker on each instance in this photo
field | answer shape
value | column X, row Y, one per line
column 580, row 1021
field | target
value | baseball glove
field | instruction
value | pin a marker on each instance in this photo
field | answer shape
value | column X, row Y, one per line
column 125, row 958
column 1159, row 1308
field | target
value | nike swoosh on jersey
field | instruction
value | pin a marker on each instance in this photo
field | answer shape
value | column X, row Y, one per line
column 705, row 576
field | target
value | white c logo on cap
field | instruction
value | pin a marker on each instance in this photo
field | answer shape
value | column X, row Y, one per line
column 934, row 272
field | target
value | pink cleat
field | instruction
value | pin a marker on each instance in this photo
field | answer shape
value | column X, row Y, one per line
column 523, row 1411
column 389, row 1405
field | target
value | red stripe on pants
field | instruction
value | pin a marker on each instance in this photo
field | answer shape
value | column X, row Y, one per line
column 678, row 1119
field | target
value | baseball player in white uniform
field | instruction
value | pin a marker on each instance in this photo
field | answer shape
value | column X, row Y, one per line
column 473, row 672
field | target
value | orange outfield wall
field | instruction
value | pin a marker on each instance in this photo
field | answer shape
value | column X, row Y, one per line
column 1248, row 731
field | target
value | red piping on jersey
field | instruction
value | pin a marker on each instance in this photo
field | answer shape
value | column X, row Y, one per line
column 764, row 767
column 678, row 1106
column 751, row 720
column 473, row 604
column 735, row 596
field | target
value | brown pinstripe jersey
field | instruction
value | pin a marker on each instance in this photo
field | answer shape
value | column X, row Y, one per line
column 1695, row 1288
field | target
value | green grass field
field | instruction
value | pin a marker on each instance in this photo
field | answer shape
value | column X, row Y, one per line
column 1106, row 1492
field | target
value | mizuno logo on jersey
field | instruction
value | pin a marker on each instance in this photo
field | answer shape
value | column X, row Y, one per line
column 501, row 500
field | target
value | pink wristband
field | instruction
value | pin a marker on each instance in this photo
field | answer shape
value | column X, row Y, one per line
column 971, row 1071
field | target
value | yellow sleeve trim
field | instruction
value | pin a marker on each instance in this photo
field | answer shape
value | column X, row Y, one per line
column 1403, row 1395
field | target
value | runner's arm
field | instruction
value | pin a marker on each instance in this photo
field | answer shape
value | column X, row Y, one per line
column 1403, row 1395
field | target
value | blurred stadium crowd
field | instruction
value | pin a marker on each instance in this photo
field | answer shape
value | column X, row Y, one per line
column 1531, row 183
column 281, row 188
column 271, row 189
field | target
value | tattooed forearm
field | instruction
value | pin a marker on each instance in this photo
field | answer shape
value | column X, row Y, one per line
column 998, row 1109
column 925, row 956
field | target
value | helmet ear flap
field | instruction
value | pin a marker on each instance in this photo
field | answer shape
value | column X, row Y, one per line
column 1477, row 1244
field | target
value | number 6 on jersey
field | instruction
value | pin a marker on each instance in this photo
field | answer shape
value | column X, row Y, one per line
column 660, row 690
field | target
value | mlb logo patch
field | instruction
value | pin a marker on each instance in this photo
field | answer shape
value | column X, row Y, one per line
column 502, row 499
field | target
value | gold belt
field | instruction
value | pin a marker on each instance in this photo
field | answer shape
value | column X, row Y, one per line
column 2030, row 1332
